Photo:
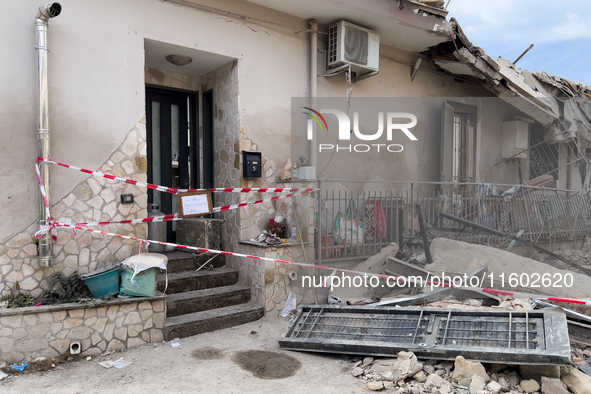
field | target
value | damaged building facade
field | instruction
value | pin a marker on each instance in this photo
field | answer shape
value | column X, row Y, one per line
column 116, row 104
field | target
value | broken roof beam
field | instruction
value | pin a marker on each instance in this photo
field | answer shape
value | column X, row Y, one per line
column 541, row 109
column 429, row 7
column 586, row 271
column 437, row 295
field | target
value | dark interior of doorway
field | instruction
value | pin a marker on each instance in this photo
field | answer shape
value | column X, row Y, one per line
column 172, row 146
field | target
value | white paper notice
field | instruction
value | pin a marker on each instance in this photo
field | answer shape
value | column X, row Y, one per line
column 195, row 204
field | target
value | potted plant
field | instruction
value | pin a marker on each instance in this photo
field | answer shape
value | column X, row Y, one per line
column 305, row 171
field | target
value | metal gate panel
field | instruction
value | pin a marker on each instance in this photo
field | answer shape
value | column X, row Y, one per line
column 533, row 337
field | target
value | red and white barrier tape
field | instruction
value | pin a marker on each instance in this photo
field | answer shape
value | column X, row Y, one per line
column 42, row 189
column 171, row 217
column 176, row 191
column 518, row 294
column 480, row 289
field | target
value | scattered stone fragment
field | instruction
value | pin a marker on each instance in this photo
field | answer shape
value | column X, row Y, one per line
column 494, row 387
column 367, row 360
column 477, row 384
column 513, row 380
column 465, row 382
column 388, row 375
column 434, row 381
column 404, row 366
column 578, row 382
column 504, row 383
column 529, row 385
column 429, row 369
column 357, row 371
column 465, row 369
column 420, row 377
column 445, row 389
column 374, row 386
column 553, row 386
column 388, row 385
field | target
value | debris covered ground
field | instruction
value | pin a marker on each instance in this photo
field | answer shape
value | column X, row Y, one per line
column 248, row 359
column 406, row 374
column 212, row 362
column 206, row 363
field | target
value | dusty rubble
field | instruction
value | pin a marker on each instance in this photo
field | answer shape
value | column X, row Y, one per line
column 580, row 257
column 407, row 374
column 457, row 256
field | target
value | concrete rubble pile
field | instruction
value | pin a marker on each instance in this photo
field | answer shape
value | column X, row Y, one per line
column 406, row 374
column 581, row 257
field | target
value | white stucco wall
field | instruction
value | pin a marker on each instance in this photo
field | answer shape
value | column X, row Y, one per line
column 96, row 82
column 97, row 99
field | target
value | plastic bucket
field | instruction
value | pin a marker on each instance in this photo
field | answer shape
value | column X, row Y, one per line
column 143, row 284
column 102, row 284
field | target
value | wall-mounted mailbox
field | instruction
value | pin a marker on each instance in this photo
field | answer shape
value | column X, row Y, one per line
column 252, row 166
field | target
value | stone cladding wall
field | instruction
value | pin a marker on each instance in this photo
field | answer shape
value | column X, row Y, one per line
column 47, row 331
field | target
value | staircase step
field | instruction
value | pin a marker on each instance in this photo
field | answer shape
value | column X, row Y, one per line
column 179, row 261
column 216, row 319
column 202, row 300
column 198, row 280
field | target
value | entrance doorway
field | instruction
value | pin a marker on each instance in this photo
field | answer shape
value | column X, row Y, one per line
column 172, row 146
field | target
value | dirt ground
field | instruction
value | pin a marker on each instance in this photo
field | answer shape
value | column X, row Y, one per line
column 206, row 363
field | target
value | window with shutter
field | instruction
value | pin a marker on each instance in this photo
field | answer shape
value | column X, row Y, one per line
column 458, row 144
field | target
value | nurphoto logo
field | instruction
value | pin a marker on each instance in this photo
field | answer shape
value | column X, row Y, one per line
column 395, row 122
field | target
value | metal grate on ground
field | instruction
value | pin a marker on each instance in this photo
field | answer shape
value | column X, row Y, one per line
column 534, row 337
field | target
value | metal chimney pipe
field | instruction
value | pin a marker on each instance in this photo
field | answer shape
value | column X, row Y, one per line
column 313, row 83
column 45, row 13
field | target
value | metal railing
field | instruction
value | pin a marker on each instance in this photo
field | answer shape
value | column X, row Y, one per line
column 360, row 223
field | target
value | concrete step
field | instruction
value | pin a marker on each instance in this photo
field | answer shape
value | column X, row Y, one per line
column 199, row 280
column 202, row 300
column 216, row 319
column 179, row 261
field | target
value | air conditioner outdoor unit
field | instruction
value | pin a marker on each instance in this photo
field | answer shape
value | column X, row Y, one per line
column 349, row 44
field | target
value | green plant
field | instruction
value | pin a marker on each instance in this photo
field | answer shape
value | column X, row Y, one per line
column 66, row 289
column 302, row 162
column 18, row 299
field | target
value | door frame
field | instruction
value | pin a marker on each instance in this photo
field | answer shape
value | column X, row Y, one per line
column 192, row 136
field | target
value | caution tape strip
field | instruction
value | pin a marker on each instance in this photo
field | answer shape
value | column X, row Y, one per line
column 42, row 189
column 171, row 217
column 438, row 284
column 173, row 190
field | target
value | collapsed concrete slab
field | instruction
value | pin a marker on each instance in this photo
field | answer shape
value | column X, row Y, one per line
column 456, row 257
